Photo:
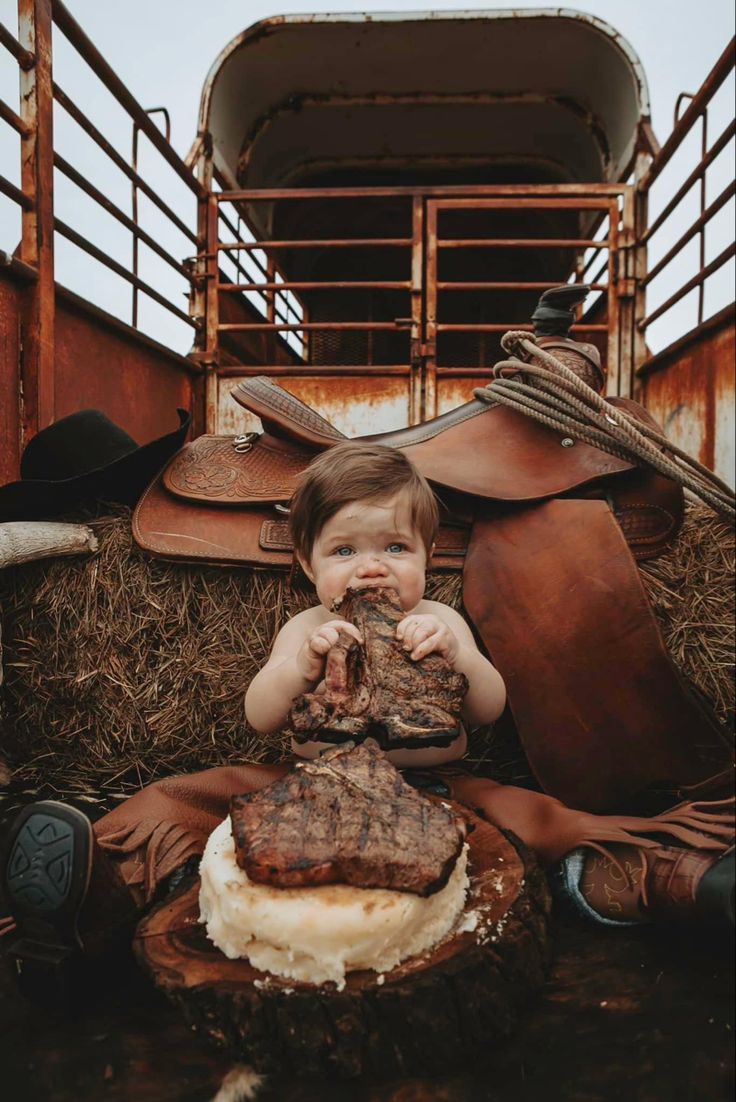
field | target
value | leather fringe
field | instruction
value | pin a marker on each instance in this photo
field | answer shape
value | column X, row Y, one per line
column 150, row 850
column 705, row 824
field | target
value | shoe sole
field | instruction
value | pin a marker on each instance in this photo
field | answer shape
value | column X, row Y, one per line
column 46, row 877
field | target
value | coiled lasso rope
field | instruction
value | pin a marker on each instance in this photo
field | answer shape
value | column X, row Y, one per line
column 558, row 398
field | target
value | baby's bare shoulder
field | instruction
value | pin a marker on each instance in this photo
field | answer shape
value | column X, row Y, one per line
column 449, row 616
column 296, row 630
column 436, row 608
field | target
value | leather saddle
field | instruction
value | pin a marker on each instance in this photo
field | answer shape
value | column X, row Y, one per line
column 224, row 499
column 546, row 531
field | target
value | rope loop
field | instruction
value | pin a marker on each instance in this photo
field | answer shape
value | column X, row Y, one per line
column 539, row 385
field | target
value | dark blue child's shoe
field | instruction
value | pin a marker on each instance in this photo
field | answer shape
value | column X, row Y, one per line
column 45, row 876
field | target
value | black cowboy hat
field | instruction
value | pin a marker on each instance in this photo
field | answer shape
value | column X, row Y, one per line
column 82, row 458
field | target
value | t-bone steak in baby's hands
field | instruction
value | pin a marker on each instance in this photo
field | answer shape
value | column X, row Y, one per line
column 346, row 818
column 376, row 689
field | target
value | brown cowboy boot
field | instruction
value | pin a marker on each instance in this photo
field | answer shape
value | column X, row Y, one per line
column 677, row 864
column 668, row 883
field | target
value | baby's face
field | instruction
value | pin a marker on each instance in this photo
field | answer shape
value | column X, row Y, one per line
column 369, row 543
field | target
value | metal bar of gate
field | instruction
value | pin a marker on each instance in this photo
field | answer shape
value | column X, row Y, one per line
column 69, row 27
column 89, row 128
column 718, row 262
column 718, row 146
column 710, row 86
column 37, row 236
column 320, row 285
column 318, row 243
column 24, row 57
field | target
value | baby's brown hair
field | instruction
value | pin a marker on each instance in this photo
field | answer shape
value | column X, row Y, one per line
column 357, row 471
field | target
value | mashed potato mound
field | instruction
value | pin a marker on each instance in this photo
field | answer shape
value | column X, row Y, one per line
column 318, row 934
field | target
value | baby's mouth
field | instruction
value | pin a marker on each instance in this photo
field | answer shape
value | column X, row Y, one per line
column 375, row 585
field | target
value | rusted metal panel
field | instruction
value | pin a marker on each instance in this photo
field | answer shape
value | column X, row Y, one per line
column 10, row 431
column 689, row 389
column 37, row 92
column 100, row 363
column 357, row 405
column 724, row 429
column 107, row 366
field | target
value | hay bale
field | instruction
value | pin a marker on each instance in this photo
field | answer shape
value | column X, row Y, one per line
column 691, row 590
column 120, row 669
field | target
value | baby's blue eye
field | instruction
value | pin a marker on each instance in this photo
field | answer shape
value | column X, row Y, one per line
column 343, row 552
column 395, row 548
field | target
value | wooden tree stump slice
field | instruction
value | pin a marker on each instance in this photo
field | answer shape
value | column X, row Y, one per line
column 428, row 1014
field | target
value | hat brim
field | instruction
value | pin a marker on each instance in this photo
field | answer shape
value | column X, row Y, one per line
column 123, row 480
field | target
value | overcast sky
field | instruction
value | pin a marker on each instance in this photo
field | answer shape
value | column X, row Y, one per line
column 163, row 49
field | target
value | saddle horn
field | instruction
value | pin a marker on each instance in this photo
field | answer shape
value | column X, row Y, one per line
column 555, row 311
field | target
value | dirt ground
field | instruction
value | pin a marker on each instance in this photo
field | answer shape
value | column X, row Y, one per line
column 643, row 1015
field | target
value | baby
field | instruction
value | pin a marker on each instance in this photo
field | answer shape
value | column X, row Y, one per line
column 364, row 516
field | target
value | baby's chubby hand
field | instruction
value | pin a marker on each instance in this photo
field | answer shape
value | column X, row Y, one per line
column 310, row 658
column 423, row 634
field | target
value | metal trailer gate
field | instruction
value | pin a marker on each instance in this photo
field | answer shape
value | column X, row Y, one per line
column 416, row 336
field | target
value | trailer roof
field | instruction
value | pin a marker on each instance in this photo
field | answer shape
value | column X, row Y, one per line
column 553, row 94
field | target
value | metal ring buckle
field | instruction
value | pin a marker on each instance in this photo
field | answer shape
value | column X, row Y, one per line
column 245, row 442
column 283, row 509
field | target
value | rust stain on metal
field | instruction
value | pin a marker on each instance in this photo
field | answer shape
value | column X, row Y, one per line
column 691, row 393
column 454, row 391
column 358, row 406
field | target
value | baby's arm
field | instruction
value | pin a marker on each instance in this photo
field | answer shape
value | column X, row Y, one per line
column 295, row 666
column 453, row 638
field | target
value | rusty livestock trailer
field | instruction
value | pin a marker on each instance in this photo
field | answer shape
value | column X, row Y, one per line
column 373, row 202
column 369, row 203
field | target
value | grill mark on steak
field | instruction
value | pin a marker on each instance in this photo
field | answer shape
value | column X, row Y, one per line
column 375, row 689
column 346, row 818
